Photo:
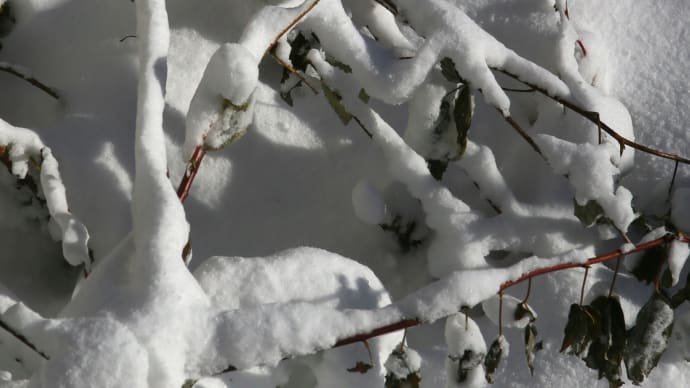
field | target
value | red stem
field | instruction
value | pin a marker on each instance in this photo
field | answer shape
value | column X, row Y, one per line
column 190, row 173
column 407, row 323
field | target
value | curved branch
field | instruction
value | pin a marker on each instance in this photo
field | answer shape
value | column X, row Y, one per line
column 13, row 70
column 21, row 338
column 594, row 118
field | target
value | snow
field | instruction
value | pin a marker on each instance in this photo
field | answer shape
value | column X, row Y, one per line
column 368, row 204
column 678, row 254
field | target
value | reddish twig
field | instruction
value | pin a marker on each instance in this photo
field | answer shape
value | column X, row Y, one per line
column 190, row 172
column 594, row 118
column 393, row 327
column 523, row 134
column 292, row 24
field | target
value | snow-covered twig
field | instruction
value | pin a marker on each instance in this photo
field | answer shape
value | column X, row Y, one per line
column 19, row 336
column 594, row 118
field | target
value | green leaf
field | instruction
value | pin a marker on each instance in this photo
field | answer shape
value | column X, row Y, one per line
column 462, row 114
column 589, row 213
column 532, row 346
column 363, row 96
column 579, row 331
column 336, row 63
column 449, row 72
column 334, row 101
column 608, row 342
column 493, row 357
column 648, row 340
column 360, row 367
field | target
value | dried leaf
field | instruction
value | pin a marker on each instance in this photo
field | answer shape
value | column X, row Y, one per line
column 360, row 367
column 532, row 346
column 498, row 349
column 608, row 342
column 589, row 213
column 469, row 361
column 579, row 331
column 648, row 340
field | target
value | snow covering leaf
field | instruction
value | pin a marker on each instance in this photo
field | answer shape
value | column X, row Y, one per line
column 403, row 368
column 340, row 65
column 649, row 338
column 497, row 350
column 334, row 100
column 462, row 114
column 588, row 213
column 532, row 346
column 608, row 342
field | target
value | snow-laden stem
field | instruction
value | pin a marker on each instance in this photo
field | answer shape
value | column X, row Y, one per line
column 407, row 323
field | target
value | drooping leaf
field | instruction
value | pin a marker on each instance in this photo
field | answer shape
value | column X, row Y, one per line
column 580, row 329
column 588, row 213
column 462, row 114
column 334, row 100
column 498, row 350
column 606, row 350
column 360, row 367
column 449, row 72
column 523, row 310
column 649, row 265
column 648, row 340
column 532, row 346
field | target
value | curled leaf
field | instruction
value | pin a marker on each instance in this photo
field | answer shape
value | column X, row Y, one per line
column 608, row 342
column 532, row 346
column 580, row 329
column 462, row 114
column 498, row 349
column 588, row 213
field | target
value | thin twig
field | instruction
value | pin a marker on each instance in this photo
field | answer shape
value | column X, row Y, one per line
column 22, row 339
column 190, row 172
column 673, row 179
column 594, row 117
column 404, row 324
column 584, row 282
column 292, row 24
column 529, row 290
column 615, row 275
column 523, row 134
column 33, row 81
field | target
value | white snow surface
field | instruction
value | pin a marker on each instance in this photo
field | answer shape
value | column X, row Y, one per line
column 196, row 73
